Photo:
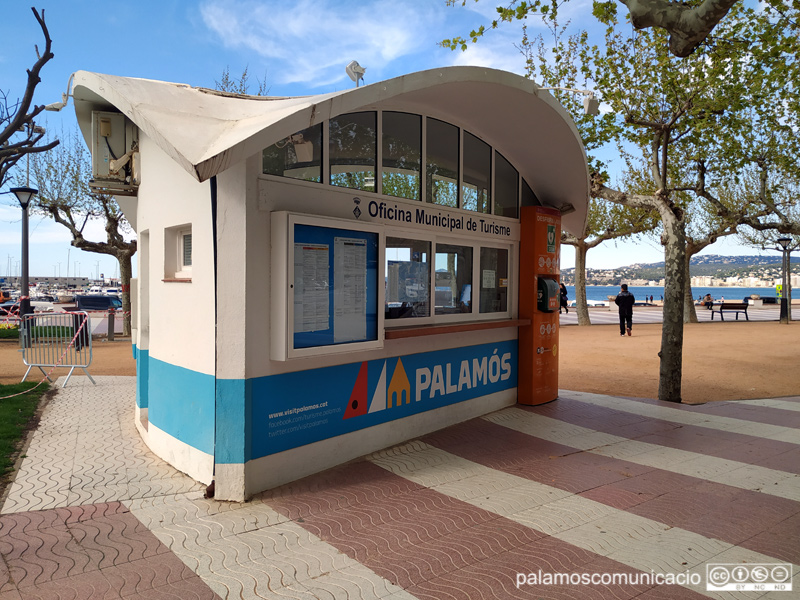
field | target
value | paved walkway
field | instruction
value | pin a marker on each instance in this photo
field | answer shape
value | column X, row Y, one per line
column 653, row 314
column 589, row 486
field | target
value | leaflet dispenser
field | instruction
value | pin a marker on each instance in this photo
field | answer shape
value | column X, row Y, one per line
column 547, row 295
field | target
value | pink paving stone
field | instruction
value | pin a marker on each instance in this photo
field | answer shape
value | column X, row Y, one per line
column 87, row 586
column 142, row 575
column 779, row 541
column 354, row 484
column 24, row 521
column 499, row 439
column 498, row 577
column 192, row 588
column 455, row 551
column 115, row 539
column 39, row 556
column 786, row 461
column 5, row 577
column 86, row 512
column 636, row 430
column 654, row 483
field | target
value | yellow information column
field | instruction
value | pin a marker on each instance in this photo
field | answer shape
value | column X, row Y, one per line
column 539, row 272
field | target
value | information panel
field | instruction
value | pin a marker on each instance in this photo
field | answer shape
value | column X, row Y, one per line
column 335, row 286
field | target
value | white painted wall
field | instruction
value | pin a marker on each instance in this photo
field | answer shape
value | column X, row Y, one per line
column 181, row 314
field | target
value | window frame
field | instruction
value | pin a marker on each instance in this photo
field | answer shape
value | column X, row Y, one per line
column 174, row 268
column 433, row 238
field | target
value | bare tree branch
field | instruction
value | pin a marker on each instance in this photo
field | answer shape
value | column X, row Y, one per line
column 20, row 117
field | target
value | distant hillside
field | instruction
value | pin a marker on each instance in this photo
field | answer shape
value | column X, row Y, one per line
column 710, row 265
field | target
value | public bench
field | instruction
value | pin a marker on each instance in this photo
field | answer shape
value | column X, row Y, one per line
column 724, row 307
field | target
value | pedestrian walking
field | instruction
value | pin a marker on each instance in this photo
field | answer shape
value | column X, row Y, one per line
column 625, row 301
column 564, row 299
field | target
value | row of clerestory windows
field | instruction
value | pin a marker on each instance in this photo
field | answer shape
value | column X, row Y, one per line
column 418, row 158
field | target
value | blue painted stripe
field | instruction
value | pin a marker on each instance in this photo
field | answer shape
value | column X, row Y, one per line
column 234, row 412
column 181, row 403
column 142, row 372
column 248, row 419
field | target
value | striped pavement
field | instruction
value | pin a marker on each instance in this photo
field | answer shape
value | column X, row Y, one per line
column 653, row 314
column 615, row 490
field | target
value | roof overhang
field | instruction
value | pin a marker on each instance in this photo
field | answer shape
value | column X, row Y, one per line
column 206, row 131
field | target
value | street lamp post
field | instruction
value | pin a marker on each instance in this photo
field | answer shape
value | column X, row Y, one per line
column 786, row 297
column 24, row 196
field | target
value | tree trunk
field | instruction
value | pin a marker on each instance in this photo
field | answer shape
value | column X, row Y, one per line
column 689, row 312
column 125, row 270
column 671, row 354
column 580, row 284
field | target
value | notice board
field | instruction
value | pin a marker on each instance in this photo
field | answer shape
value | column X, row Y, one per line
column 335, row 297
column 325, row 286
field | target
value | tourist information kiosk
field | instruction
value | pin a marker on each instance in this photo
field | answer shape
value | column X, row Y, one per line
column 322, row 277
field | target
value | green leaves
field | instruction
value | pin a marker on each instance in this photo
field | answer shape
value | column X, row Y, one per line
column 605, row 12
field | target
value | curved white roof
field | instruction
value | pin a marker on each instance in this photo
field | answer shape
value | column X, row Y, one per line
column 206, row 131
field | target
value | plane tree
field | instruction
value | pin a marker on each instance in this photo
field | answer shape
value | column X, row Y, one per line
column 62, row 177
column 560, row 61
column 685, row 118
column 687, row 24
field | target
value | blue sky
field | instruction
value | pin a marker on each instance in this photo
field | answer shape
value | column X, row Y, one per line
column 298, row 48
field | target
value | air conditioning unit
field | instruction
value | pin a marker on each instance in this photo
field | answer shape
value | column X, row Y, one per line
column 115, row 154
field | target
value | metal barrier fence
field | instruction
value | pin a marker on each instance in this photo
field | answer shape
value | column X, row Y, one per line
column 56, row 340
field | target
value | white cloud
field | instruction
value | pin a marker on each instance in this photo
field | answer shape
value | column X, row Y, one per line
column 311, row 41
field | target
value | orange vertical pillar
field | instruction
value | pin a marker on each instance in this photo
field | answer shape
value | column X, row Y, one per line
column 539, row 258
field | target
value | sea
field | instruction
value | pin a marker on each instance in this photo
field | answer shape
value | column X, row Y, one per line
column 730, row 293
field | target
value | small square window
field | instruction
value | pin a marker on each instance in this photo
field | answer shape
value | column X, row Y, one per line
column 178, row 252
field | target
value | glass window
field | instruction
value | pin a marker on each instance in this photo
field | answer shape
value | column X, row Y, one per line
column 494, row 280
column 353, row 150
column 298, row 156
column 528, row 197
column 408, row 278
column 506, row 187
column 453, row 293
column 442, row 163
column 402, row 155
column 477, row 175
column 187, row 249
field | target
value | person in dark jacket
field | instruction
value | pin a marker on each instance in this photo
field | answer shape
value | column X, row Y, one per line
column 625, row 301
column 564, row 299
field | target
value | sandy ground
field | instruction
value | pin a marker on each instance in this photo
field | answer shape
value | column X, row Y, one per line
column 721, row 361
